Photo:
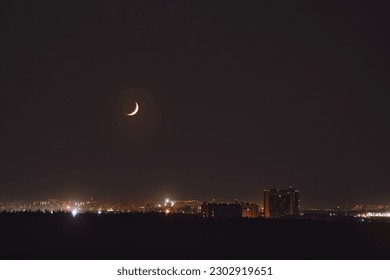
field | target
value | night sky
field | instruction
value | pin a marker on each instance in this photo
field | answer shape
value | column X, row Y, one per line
column 235, row 97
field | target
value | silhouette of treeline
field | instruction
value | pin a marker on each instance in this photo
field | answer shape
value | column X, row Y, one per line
column 159, row 236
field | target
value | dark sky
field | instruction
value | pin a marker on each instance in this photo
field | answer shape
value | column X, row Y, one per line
column 235, row 97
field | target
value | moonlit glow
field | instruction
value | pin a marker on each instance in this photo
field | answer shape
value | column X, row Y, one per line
column 135, row 110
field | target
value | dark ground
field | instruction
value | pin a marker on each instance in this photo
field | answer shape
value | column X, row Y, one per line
column 144, row 236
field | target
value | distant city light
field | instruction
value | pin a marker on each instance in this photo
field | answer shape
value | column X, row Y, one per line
column 99, row 212
column 169, row 202
column 74, row 212
column 374, row 215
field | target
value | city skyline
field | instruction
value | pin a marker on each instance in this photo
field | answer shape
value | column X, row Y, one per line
column 230, row 99
column 69, row 204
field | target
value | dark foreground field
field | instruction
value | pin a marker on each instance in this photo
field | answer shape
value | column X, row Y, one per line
column 137, row 236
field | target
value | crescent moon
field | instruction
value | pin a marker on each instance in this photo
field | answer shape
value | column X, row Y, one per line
column 135, row 110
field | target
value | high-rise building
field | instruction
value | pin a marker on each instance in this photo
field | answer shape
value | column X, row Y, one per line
column 221, row 210
column 250, row 210
column 279, row 203
column 187, row 206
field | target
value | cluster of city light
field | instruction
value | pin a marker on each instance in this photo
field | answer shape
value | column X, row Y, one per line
column 169, row 202
column 375, row 215
column 76, row 211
